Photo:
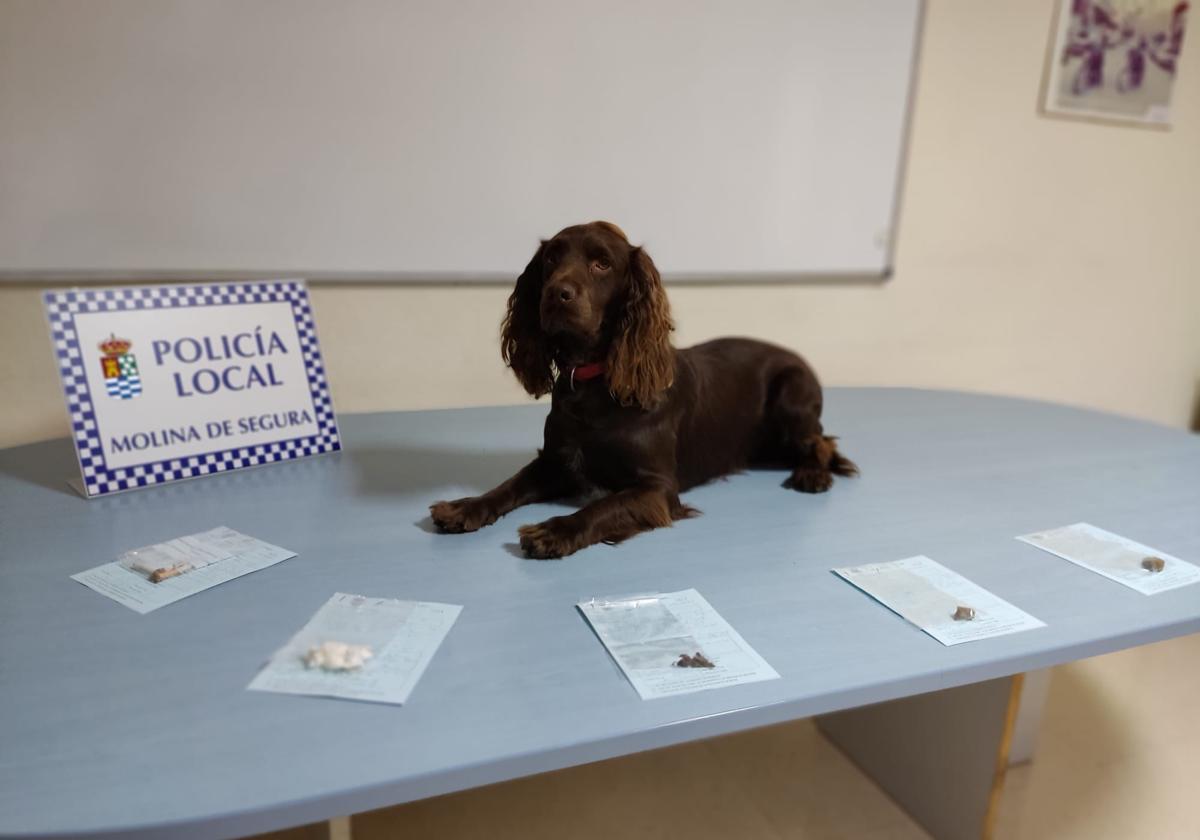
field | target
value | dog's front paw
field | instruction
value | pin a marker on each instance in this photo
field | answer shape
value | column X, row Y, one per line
column 810, row 480
column 555, row 537
column 461, row 515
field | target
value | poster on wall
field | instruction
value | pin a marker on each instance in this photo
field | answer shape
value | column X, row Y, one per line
column 1115, row 60
column 169, row 382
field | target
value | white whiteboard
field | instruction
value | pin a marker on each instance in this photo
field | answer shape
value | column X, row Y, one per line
column 441, row 139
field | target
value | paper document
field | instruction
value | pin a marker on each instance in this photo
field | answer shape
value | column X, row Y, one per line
column 198, row 562
column 929, row 595
column 1116, row 557
column 402, row 637
column 666, row 644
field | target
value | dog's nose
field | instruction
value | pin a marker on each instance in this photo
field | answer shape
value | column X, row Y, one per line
column 560, row 294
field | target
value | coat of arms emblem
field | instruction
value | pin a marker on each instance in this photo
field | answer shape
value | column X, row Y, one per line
column 121, row 377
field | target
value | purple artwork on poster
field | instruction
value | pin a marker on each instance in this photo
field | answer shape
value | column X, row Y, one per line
column 1116, row 60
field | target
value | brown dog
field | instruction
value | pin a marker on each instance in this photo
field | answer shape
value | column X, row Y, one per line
column 631, row 418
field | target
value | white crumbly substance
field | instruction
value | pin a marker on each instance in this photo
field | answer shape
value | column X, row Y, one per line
column 337, row 656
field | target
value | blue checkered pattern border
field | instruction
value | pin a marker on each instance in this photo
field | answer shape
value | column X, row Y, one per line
column 98, row 479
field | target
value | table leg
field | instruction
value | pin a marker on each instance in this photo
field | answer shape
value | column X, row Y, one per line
column 1034, row 694
column 337, row 828
column 942, row 756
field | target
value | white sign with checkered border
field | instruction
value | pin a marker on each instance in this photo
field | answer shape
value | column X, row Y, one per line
column 178, row 381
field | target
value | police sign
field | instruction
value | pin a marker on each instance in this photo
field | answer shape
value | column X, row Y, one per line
column 171, row 382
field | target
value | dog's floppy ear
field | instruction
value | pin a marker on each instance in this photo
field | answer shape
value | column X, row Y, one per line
column 523, row 345
column 641, row 362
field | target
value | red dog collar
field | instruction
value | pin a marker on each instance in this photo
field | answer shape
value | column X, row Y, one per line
column 582, row 373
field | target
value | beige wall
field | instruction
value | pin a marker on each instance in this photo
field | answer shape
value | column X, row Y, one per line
column 1038, row 257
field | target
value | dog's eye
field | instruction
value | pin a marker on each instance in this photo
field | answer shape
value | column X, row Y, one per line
column 601, row 264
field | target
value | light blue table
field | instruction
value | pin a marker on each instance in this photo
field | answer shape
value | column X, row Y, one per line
column 140, row 726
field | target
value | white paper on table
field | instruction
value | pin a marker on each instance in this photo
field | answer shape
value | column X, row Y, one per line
column 219, row 555
column 1115, row 557
column 927, row 594
column 647, row 635
column 403, row 637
